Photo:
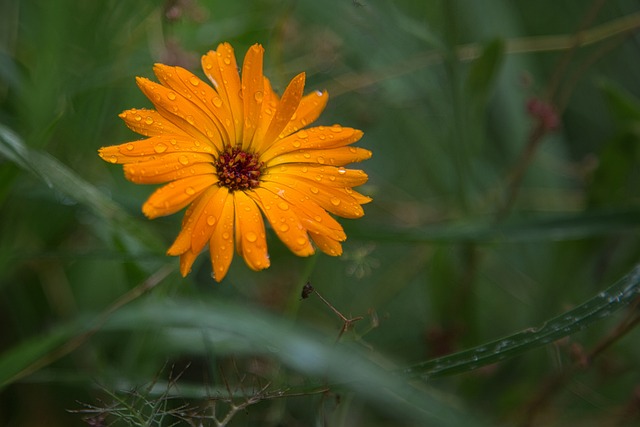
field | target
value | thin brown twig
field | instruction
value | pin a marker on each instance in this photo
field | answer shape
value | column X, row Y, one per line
column 347, row 322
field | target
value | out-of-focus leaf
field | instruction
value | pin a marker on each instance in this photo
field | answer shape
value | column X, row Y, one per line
column 484, row 72
column 59, row 177
column 543, row 227
column 623, row 106
column 601, row 306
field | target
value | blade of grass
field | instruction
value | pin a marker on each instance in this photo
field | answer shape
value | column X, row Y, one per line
column 61, row 178
column 603, row 305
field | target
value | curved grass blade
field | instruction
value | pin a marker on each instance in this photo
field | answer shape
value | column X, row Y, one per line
column 59, row 177
column 601, row 306
column 248, row 331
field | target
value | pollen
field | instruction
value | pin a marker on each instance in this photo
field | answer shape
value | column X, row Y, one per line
column 238, row 170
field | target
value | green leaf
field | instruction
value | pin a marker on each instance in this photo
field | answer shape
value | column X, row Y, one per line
column 601, row 306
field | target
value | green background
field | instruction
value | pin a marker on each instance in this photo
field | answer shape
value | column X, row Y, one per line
column 480, row 230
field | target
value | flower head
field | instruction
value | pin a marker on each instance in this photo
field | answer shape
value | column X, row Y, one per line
column 236, row 152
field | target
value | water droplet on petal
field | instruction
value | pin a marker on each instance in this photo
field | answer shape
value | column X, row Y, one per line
column 251, row 236
column 160, row 148
column 138, row 118
column 284, row 227
column 283, row 205
column 296, row 144
column 301, row 241
column 190, row 191
column 194, row 80
column 217, row 102
column 314, row 190
column 303, row 134
column 335, row 201
column 320, row 160
column 258, row 96
column 307, row 155
column 225, row 236
column 183, row 160
column 336, row 128
column 342, row 170
column 171, row 96
column 211, row 220
column 227, row 60
column 129, row 147
column 113, row 159
column 148, row 120
column 190, row 120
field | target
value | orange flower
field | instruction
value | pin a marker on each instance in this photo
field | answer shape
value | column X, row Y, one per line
column 235, row 152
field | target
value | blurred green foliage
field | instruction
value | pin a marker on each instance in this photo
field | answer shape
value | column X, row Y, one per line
column 505, row 183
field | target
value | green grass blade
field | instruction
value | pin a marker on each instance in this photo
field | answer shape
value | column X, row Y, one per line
column 59, row 177
column 601, row 306
column 297, row 347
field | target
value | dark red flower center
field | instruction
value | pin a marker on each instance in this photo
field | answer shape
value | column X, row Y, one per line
column 238, row 170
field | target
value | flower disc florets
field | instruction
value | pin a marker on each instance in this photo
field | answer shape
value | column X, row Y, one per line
column 238, row 170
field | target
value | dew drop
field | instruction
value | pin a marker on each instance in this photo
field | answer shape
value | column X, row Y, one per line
column 335, row 201
column 130, row 147
column 194, row 80
column 342, row 170
column 322, row 136
column 217, row 101
column 314, row 190
column 183, row 160
column 138, row 118
column 190, row 120
column 320, row 160
column 160, row 148
column 304, row 169
column 190, row 191
column 318, row 218
column 283, row 205
column 336, row 128
column 225, row 236
column 306, row 155
column 258, row 96
column 171, row 96
column 148, row 120
column 113, row 159
column 301, row 241
column 353, row 149
column 296, row 144
column 227, row 60
column 251, row 236
column 284, row 227
column 303, row 134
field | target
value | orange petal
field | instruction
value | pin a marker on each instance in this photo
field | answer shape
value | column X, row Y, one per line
column 149, row 123
column 221, row 243
column 333, row 199
column 286, row 109
column 320, row 174
column 310, row 108
column 321, row 137
column 186, row 261
column 140, row 174
column 252, row 92
column 182, row 113
column 334, row 156
column 326, row 244
column 201, row 94
column 176, row 195
column 169, row 167
column 221, row 69
column 182, row 242
column 312, row 216
column 251, row 240
column 284, row 220
column 152, row 148
column 208, row 217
